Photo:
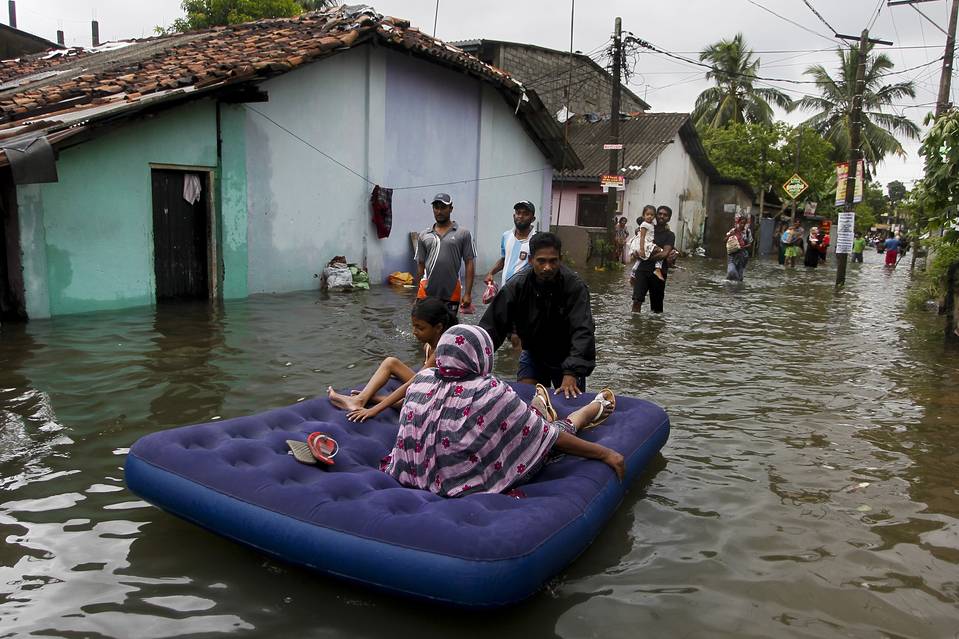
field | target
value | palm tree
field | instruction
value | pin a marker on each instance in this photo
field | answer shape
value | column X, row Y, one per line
column 734, row 98
column 834, row 106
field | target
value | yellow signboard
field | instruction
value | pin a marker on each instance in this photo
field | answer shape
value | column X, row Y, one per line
column 794, row 186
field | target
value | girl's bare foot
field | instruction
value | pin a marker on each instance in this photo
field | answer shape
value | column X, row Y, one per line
column 344, row 402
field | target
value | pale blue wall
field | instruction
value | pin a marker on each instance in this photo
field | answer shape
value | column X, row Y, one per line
column 92, row 231
column 396, row 121
column 304, row 208
column 432, row 139
column 514, row 169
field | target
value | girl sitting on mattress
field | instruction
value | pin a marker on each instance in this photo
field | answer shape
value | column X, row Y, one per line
column 430, row 319
column 464, row 431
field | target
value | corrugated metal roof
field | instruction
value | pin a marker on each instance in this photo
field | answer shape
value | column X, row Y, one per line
column 643, row 138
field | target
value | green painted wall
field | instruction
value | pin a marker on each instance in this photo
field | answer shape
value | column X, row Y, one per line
column 233, row 201
column 97, row 221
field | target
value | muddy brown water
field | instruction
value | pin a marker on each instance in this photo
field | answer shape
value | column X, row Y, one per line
column 808, row 488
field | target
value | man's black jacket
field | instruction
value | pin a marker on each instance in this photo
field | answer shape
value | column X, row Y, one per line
column 553, row 321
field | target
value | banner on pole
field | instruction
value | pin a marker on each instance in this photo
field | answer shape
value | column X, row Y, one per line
column 845, row 232
column 842, row 174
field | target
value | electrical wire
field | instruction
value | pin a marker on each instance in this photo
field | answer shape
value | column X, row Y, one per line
column 793, row 22
column 396, row 188
column 819, row 15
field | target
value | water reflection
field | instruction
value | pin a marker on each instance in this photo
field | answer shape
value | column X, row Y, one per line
column 807, row 488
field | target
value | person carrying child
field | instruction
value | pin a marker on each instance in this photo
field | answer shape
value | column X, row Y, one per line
column 430, row 319
column 644, row 245
column 464, row 431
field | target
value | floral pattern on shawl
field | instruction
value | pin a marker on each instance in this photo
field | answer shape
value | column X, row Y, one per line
column 461, row 429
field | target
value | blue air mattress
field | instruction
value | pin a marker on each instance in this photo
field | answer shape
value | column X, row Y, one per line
column 349, row 520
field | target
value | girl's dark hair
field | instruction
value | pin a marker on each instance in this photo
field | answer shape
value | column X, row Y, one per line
column 434, row 311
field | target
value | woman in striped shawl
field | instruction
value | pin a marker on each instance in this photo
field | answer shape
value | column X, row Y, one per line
column 464, row 431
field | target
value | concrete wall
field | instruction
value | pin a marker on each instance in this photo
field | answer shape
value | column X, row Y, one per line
column 304, row 207
column 88, row 239
column 674, row 180
column 547, row 73
column 395, row 121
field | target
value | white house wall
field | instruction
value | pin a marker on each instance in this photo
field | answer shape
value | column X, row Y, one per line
column 672, row 180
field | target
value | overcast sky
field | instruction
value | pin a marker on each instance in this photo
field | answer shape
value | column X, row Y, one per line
column 680, row 26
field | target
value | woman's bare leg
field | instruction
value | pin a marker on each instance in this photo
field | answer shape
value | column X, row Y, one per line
column 388, row 368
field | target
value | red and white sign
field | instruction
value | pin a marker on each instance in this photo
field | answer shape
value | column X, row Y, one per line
column 612, row 147
column 613, row 182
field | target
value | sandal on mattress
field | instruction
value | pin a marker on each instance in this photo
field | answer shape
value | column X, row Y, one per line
column 323, row 447
column 607, row 401
column 543, row 394
column 301, row 452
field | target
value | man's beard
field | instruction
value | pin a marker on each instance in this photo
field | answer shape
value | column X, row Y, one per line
column 522, row 226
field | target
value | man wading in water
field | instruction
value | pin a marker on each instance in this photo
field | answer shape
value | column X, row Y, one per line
column 439, row 251
column 548, row 305
column 646, row 280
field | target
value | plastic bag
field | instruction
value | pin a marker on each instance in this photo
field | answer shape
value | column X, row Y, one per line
column 337, row 277
column 490, row 292
column 361, row 279
column 401, row 278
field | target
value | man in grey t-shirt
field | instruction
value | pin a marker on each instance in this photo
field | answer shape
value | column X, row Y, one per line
column 439, row 252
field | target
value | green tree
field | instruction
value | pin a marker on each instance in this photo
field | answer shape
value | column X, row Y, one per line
column 938, row 191
column 734, row 98
column 765, row 155
column 203, row 14
column 834, row 105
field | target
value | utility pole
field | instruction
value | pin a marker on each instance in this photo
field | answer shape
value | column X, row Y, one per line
column 792, row 218
column 945, row 79
column 855, row 126
column 614, row 164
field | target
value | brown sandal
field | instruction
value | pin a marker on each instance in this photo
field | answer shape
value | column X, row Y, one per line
column 543, row 394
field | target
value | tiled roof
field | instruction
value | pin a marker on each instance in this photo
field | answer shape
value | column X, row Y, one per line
column 60, row 86
column 643, row 136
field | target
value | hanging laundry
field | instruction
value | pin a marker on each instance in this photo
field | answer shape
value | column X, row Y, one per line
column 191, row 187
column 381, row 203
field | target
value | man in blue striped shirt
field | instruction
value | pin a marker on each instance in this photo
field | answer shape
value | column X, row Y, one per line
column 514, row 247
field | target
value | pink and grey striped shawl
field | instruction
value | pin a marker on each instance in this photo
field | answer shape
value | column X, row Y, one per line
column 462, row 430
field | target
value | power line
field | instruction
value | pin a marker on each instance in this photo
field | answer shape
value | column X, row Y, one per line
column 819, row 15
column 715, row 69
column 793, row 22
column 396, row 188
column 876, row 15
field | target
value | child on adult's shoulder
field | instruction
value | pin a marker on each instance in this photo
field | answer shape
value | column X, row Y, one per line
column 430, row 319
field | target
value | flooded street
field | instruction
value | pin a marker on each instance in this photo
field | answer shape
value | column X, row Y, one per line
column 808, row 488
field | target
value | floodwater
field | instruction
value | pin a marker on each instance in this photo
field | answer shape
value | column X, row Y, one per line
column 808, row 488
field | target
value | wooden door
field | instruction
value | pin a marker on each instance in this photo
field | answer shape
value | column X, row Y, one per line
column 12, row 298
column 180, row 238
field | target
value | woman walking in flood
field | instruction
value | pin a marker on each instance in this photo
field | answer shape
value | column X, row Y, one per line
column 811, row 257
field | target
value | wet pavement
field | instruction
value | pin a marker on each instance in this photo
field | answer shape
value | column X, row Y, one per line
column 808, row 488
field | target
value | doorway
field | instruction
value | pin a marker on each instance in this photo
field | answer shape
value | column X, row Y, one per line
column 182, row 232
column 12, row 300
column 591, row 210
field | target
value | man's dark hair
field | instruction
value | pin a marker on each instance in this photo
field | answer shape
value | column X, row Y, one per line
column 545, row 240
column 663, row 207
